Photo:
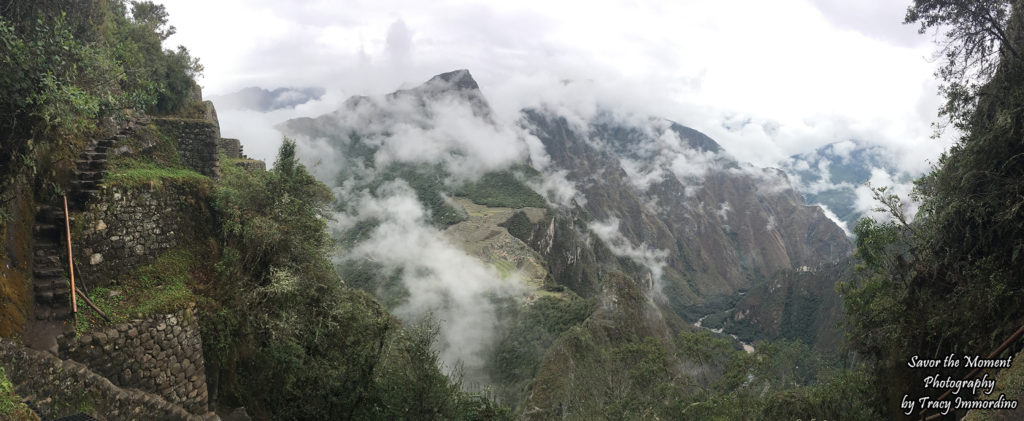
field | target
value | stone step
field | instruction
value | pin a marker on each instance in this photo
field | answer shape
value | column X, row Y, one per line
column 101, row 148
column 106, row 143
column 45, row 264
column 48, row 244
column 93, row 156
column 46, row 283
column 90, row 175
column 86, row 165
column 50, row 313
column 44, row 296
column 44, row 252
column 48, row 237
column 81, row 196
column 50, row 218
column 55, row 219
column 47, row 272
column 42, row 209
column 48, row 260
column 43, row 227
column 56, row 295
column 80, row 185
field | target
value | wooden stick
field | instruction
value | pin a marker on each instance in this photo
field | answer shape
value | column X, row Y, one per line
column 89, row 302
column 71, row 264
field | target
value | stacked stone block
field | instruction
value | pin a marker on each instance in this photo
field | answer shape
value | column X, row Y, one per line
column 161, row 354
column 46, row 381
column 197, row 142
column 232, row 149
column 129, row 226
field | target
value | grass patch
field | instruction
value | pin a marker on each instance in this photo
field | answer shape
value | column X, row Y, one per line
column 11, row 406
column 139, row 173
column 505, row 268
column 519, row 226
column 157, row 288
column 501, row 189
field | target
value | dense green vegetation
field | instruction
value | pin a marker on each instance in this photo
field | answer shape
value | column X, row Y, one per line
column 68, row 65
column 140, row 174
column 503, row 189
column 428, row 183
column 287, row 340
column 949, row 282
column 618, row 364
column 11, row 407
column 290, row 335
column 154, row 161
column 529, row 331
column 157, row 288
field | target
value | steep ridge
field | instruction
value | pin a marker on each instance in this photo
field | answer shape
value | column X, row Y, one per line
column 800, row 304
column 723, row 226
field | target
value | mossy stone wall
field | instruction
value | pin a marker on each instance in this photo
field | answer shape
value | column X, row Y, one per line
column 196, row 141
column 65, row 387
column 160, row 354
column 130, row 226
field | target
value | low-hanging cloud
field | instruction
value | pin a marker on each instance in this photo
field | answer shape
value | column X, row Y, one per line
column 651, row 258
column 442, row 281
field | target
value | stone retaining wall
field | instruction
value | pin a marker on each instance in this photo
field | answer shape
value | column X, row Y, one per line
column 196, row 140
column 231, row 148
column 161, row 354
column 251, row 165
column 127, row 227
column 64, row 387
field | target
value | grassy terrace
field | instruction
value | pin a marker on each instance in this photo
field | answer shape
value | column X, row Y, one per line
column 136, row 174
column 155, row 162
column 159, row 287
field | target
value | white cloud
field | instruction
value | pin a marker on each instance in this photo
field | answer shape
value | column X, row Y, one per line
column 805, row 72
column 866, row 203
column 653, row 259
column 443, row 281
column 399, row 41
column 831, row 215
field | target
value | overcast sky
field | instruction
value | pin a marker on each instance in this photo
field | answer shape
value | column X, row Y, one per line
column 767, row 79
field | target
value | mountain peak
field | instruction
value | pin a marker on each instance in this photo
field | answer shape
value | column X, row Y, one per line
column 457, row 79
column 458, row 83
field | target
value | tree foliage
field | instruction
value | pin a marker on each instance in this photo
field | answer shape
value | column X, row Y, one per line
column 974, row 42
column 287, row 339
column 66, row 65
column 949, row 281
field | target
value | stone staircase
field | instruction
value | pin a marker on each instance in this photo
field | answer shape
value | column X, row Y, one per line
column 90, row 168
column 52, row 288
column 50, row 282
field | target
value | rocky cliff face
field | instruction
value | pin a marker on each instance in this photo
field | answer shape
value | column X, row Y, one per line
column 721, row 226
column 800, row 304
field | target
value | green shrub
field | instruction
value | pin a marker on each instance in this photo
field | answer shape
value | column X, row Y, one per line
column 502, row 189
